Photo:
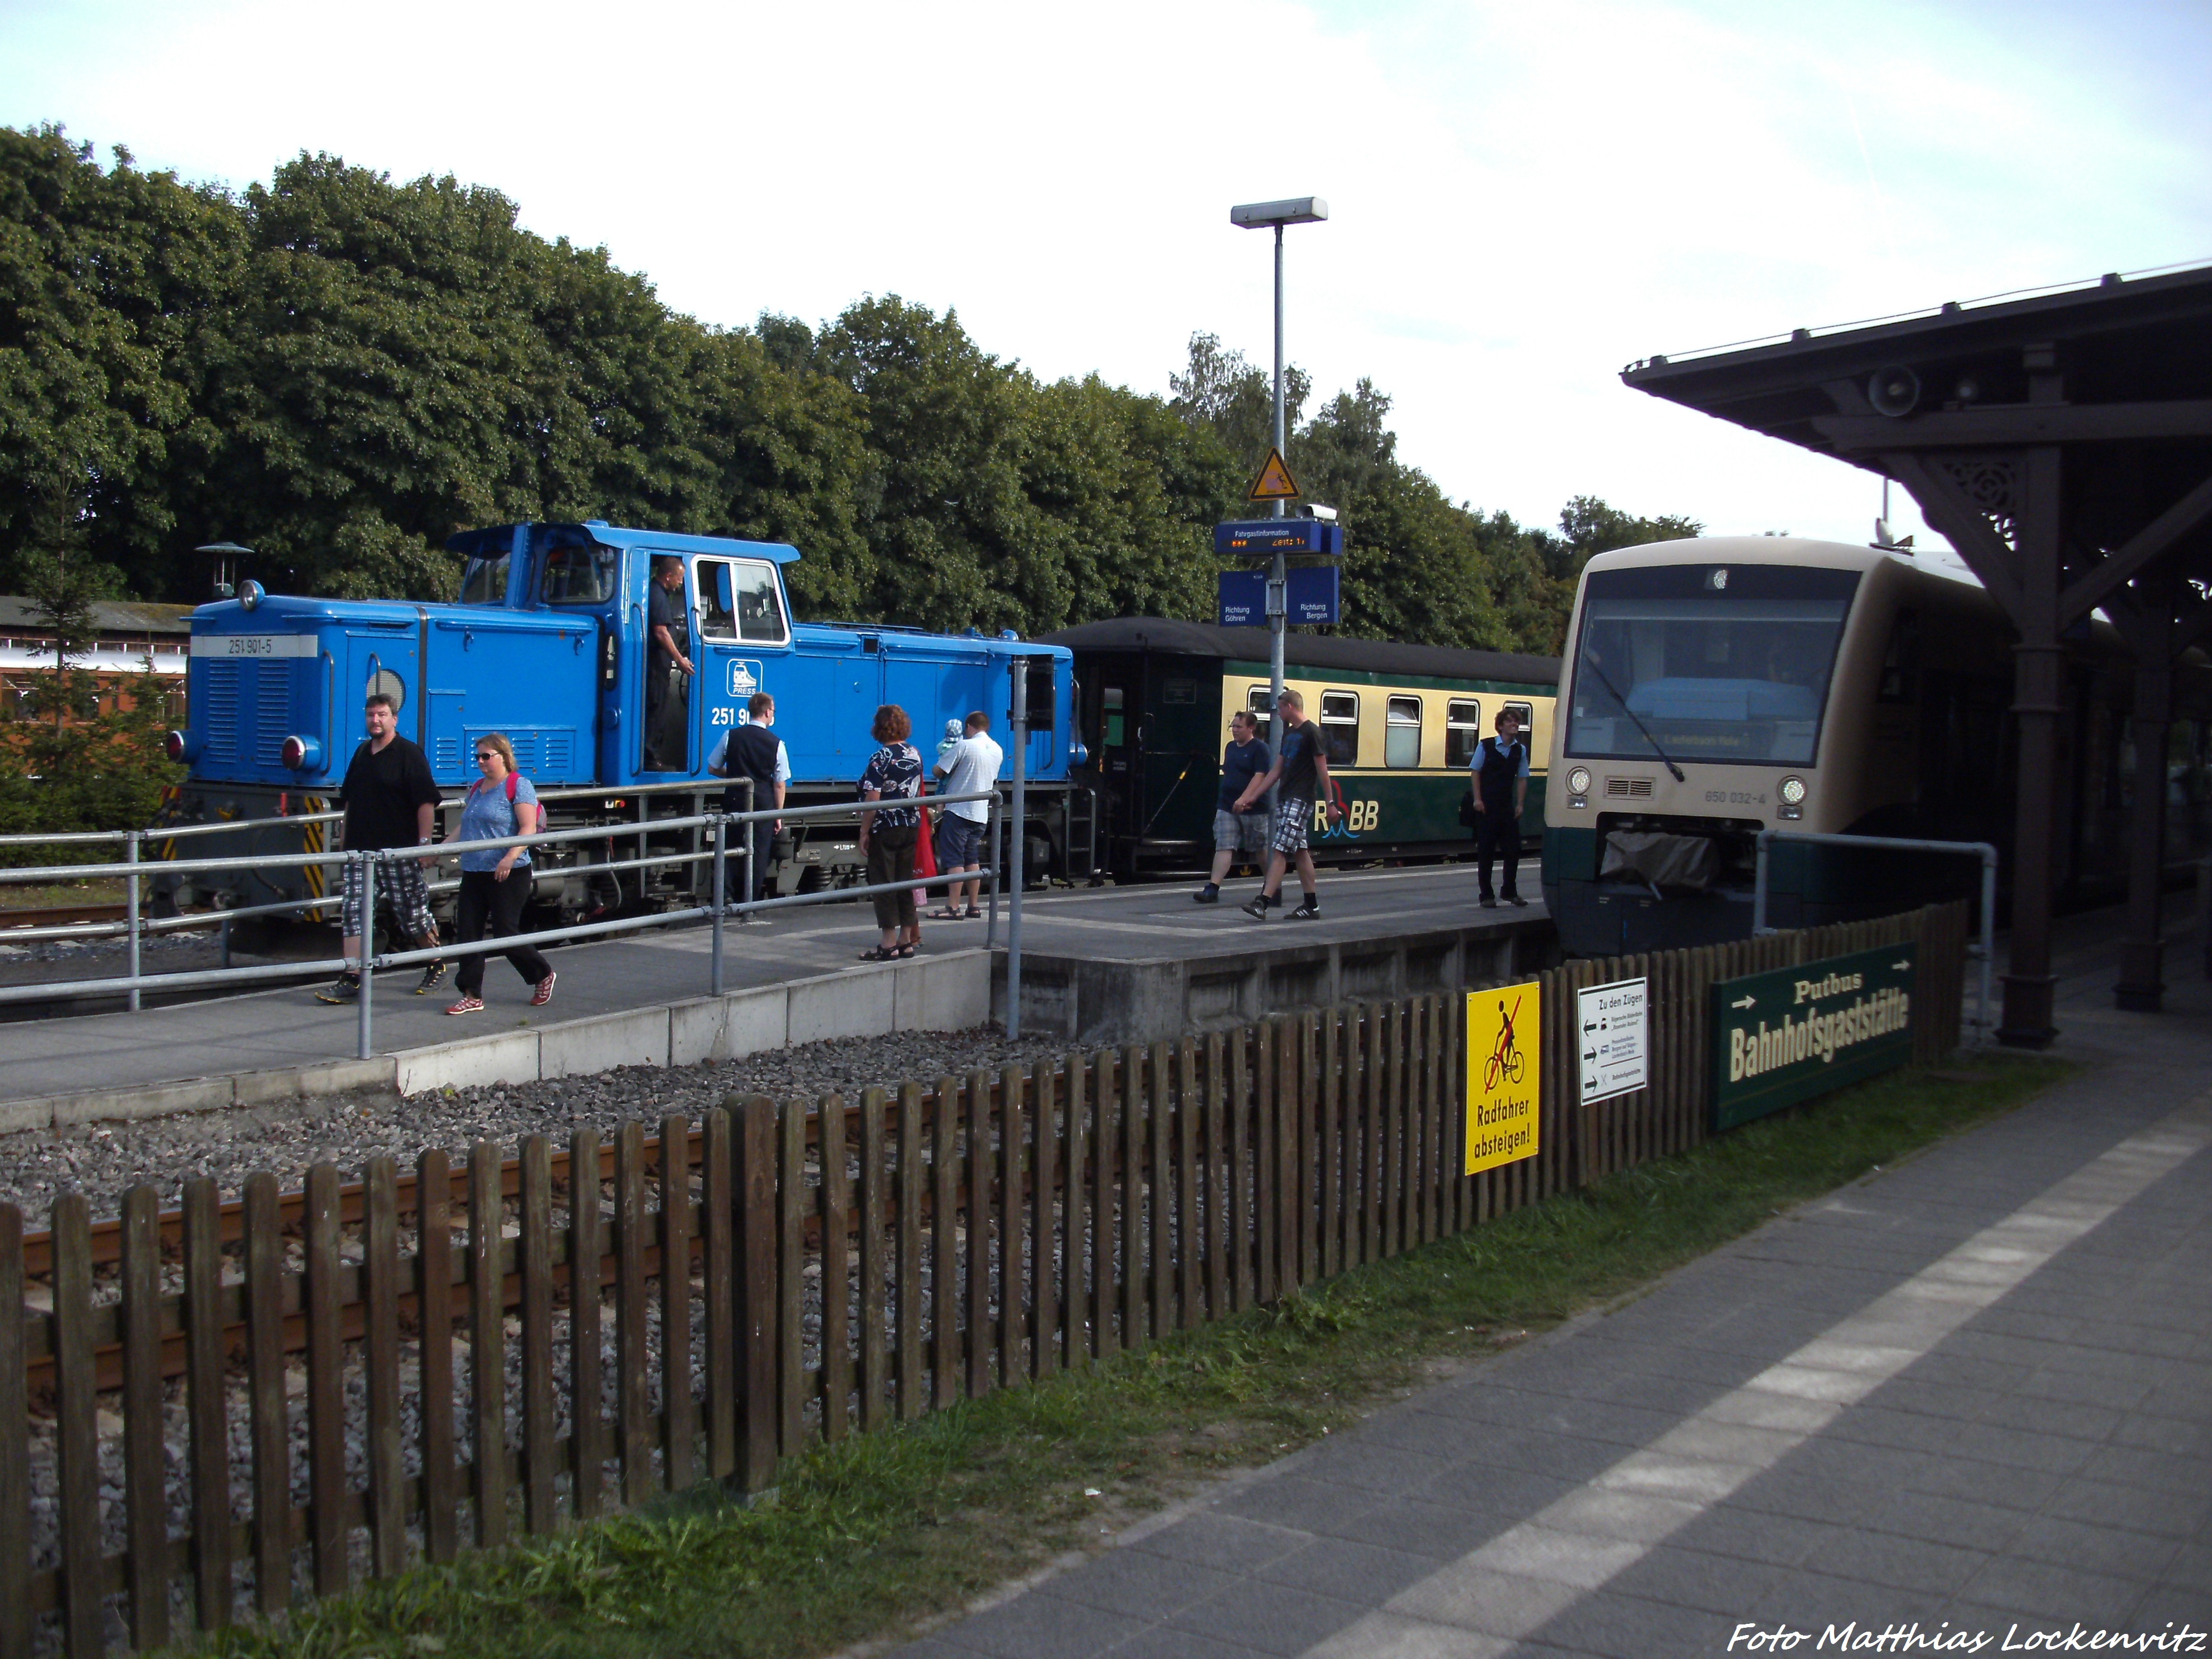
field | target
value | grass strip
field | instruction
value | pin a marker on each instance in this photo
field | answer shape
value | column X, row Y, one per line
column 865, row 1539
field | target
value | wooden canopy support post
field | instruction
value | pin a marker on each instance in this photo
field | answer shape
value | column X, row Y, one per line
column 2023, row 576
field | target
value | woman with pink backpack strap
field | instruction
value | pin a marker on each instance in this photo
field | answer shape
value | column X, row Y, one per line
column 495, row 882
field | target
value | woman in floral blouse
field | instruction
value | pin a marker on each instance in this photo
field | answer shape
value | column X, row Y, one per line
column 888, row 833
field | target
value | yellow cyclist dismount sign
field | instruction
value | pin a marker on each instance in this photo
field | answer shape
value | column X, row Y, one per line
column 1505, row 1029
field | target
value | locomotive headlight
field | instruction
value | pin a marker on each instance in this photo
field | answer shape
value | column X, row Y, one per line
column 1792, row 791
column 1579, row 781
column 302, row 754
column 182, row 746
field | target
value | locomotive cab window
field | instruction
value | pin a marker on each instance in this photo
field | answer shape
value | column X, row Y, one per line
column 580, row 575
column 1340, row 727
column 1401, row 733
column 484, row 581
column 1462, row 732
column 738, row 601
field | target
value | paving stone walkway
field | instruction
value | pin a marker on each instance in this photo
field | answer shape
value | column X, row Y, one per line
column 1968, row 1399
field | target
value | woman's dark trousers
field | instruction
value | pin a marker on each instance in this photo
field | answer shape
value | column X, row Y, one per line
column 484, row 899
column 890, row 858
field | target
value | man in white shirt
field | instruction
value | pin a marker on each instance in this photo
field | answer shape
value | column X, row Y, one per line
column 973, row 766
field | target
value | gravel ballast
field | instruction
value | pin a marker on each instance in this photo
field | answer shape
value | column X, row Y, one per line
column 102, row 1160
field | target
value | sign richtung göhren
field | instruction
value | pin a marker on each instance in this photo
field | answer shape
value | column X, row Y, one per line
column 1787, row 1036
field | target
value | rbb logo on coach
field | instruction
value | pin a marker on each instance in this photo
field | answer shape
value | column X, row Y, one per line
column 1359, row 816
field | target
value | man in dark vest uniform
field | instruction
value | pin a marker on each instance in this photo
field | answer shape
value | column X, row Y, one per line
column 752, row 751
column 1500, row 783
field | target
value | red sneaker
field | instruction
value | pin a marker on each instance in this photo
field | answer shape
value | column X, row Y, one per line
column 543, row 994
column 467, row 1006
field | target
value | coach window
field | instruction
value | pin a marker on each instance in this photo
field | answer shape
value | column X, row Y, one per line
column 1261, row 702
column 738, row 601
column 1402, row 732
column 1116, row 721
column 580, row 575
column 1340, row 727
column 1462, row 732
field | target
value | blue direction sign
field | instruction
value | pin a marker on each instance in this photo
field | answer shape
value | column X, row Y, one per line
column 1266, row 536
column 1312, row 594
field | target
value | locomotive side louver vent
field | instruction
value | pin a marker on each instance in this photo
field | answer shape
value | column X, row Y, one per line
column 223, row 712
column 445, row 753
column 1628, row 788
column 272, row 712
column 559, row 751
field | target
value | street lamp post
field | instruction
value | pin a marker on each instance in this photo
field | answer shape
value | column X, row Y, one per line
column 1252, row 215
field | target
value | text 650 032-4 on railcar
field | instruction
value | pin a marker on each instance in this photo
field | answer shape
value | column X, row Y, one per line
column 1399, row 724
column 1721, row 686
column 550, row 643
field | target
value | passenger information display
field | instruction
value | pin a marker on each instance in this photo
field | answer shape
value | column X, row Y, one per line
column 1787, row 1036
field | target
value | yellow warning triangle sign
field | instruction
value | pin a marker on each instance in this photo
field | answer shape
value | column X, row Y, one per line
column 1274, row 483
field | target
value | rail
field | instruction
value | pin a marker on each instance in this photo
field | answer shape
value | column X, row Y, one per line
column 716, row 827
column 1988, row 855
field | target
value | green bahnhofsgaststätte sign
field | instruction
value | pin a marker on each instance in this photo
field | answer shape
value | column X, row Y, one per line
column 1787, row 1036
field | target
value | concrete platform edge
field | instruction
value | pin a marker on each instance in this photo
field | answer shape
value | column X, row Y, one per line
column 936, row 993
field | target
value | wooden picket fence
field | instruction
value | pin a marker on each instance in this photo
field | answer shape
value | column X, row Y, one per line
column 226, row 1403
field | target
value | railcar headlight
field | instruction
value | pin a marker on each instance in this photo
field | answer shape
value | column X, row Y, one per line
column 1579, row 781
column 302, row 754
column 182, row 746
column 1792, row 791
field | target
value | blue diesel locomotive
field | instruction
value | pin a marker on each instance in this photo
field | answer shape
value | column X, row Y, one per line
column 548, row 644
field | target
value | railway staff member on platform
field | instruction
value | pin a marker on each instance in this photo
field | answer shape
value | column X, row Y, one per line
column 668, row 631
column 751, row 751
column 961, row 827
column 888, row 833
column 391, row 800
column 1236, row 833
column 1498, row 775
column 1303, row 769
column 495, row 882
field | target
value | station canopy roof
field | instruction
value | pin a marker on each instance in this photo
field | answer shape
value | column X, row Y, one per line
column 2114, row 375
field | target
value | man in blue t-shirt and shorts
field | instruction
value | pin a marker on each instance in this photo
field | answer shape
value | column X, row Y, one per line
column 1237, row 832
column 1303, row 769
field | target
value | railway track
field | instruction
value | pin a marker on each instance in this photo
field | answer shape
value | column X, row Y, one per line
column 59, row 915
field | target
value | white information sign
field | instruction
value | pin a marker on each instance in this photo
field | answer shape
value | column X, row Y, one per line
column 1611, row 1027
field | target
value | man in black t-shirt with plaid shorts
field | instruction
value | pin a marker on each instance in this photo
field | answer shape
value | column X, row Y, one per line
column 391, row 800
column 1303, row 769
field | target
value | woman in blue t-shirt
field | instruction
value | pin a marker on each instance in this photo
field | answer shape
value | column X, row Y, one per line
column 495, row 881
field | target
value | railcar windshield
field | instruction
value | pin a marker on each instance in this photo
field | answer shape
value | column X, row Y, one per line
column 1717, row 662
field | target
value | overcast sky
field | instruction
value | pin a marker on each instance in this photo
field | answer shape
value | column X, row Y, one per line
column 1525, row 197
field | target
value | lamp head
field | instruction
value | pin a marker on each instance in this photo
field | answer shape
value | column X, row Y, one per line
column 1296, row 210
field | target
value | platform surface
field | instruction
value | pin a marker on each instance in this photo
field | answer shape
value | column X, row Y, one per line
column 266, row 1030
column 1971, row 1391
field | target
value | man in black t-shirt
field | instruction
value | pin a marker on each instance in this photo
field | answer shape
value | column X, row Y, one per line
column 391, row 800
column 667, row 633
column 1303, row 769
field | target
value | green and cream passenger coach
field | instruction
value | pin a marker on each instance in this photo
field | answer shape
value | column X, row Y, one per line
column 1399, row 722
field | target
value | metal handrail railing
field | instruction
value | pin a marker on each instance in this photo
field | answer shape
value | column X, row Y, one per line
column 718, row 823
column 1983, row 850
